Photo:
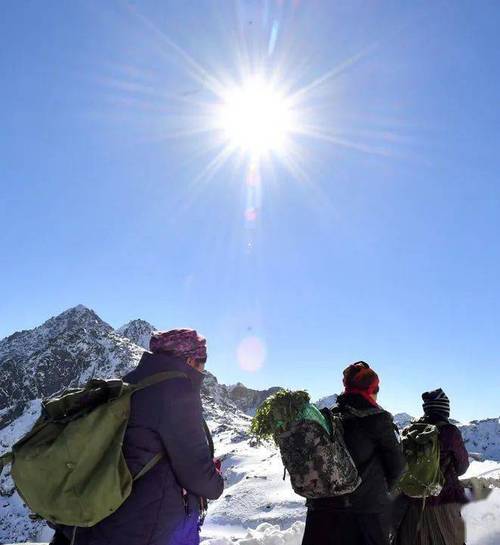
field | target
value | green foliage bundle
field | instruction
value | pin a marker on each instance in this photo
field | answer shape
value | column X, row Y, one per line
column 277, row 413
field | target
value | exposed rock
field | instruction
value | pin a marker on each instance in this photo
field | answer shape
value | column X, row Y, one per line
column 248, row 399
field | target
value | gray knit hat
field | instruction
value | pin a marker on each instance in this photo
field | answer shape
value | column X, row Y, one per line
column 436, row 403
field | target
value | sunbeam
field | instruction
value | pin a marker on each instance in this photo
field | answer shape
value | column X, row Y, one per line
column 254, row 108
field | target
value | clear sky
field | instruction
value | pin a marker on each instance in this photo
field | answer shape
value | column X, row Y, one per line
column 372, row 234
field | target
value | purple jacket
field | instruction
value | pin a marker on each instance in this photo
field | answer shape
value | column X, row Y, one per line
column 454, row 462
column 164, row 417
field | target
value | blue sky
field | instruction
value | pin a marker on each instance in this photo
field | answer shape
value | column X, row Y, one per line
column 384, row 247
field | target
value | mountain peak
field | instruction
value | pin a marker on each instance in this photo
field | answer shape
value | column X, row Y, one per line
column 138, row 331
column 78, row 317
column 402, row 420
column 68, row 349
column 79, row 310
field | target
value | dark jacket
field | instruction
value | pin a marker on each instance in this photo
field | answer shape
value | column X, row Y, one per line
column 374, row 447
column 164, row 417
column 454, row 461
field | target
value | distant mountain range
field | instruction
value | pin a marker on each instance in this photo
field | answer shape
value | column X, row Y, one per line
column 77, row 345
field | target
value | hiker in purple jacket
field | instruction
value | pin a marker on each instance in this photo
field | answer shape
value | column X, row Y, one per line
column 166, row 504
column 438, row 521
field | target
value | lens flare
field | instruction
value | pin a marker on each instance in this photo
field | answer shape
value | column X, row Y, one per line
column 251, row 354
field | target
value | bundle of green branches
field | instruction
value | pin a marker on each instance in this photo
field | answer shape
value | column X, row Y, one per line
column 277, row 413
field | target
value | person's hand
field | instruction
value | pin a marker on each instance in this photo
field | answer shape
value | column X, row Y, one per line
column 218, row 465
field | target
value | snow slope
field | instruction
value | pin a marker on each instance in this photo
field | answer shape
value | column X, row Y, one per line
column 259, row 508
column 482, row 519
column 483, row 437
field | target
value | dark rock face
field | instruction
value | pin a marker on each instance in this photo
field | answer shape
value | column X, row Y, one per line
column 248, row 399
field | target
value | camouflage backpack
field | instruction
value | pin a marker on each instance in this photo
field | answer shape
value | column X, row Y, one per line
column 423, row 477
column 317, row 460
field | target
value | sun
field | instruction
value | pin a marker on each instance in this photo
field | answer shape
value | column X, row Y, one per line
column 256, row 118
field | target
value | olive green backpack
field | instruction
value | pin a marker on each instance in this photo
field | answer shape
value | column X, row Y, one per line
column 423, row 477
column 70, row 469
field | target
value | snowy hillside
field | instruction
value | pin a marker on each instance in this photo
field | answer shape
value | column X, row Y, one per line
column 78, row 345
column 328, row 401
column 402, row 420
column 483, row 437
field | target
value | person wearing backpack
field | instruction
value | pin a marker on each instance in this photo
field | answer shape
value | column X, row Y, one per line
column 360, row 517
column 435, row 519
column 168, row 502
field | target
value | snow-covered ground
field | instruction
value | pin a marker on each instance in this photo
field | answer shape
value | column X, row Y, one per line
column 483, row 528
column 482, row 519
column 487, row 469
column 258, row 507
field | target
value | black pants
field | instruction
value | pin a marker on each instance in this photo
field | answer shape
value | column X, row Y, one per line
column 344, row 528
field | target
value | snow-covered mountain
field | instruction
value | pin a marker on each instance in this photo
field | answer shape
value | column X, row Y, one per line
column 77, row 345
column 402, row 420
column 138, row 331
column 483, row 437
column 65, row 351
column 327, row 401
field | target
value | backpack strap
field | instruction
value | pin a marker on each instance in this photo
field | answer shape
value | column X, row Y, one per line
column 154, row 460
column 5, row 460
column 157, row 378
column 114, row 386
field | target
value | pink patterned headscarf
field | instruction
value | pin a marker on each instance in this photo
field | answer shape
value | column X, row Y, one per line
column 180, row 342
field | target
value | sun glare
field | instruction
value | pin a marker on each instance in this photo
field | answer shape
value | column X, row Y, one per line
column 256, row 118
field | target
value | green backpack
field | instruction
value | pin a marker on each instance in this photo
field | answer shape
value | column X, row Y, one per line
column 70, row 469
column 423, row 477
